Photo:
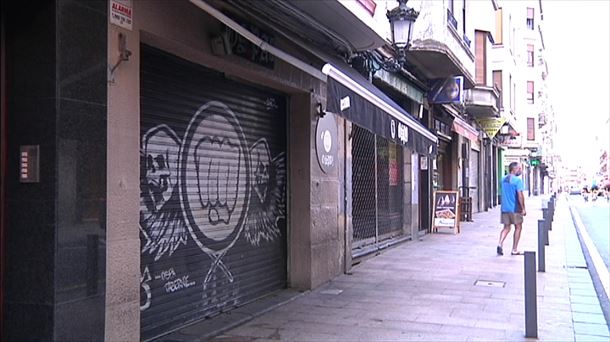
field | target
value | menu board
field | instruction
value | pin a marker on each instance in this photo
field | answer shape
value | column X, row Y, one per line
column 445, row 213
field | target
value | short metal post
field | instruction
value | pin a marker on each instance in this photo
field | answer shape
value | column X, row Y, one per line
column 92, row 263
column 545, row 213
column 552, row 213
column 541, row 244
column 531, row 309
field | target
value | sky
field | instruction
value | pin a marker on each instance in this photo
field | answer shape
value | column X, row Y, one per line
column 577, row 40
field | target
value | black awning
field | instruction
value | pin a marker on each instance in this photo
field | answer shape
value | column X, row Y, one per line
column 350, row 95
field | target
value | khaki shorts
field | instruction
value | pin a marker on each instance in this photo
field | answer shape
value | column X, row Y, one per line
column 511, row 218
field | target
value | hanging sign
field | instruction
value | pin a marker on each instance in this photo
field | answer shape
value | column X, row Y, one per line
column 491, row 126
column 445, row 211
column 447, row 90
column 121, row 13
column 327, row 142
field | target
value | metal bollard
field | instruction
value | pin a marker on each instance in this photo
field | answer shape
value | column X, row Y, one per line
column 552, row 214
column 92, row 263
column 531, row 307
column 541, row 244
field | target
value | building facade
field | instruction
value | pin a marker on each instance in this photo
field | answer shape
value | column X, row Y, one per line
column 166, row 161
column 520, row 65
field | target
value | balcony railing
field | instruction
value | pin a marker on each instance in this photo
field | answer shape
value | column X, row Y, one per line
column 451, row 20
column 466, row 40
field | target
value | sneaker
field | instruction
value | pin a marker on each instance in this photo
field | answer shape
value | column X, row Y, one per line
column 499, row 250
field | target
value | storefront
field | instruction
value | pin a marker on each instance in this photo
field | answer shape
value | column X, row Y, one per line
column 385, row 140
column 177, row 179
column 212, row 194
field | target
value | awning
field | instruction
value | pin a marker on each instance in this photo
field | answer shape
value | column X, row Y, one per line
column 352, row 96
column 464, row 129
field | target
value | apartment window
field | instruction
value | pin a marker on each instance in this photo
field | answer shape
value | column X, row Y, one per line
column 530, row 18
column 530, row 91
column 531, row 129
column 498, row 37
column 511, row 89
column 497, row 79
column 480, row 49
column 530, row 55
column 451, row 20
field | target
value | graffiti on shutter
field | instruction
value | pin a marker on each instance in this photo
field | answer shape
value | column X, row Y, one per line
column 243, row 195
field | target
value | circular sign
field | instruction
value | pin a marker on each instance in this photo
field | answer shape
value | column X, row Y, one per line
column 326, row 142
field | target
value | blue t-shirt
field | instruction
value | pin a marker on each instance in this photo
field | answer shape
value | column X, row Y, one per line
column 511, row 186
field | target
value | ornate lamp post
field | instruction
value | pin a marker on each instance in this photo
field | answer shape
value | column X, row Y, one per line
column 402, row 19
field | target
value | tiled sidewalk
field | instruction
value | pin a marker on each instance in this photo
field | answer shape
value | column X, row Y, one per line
column 425, row 291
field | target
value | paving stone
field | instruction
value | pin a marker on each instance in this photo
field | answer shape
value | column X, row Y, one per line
column 582, row 292
column 578, row 299
column 591, row 329
column 588, row 318
column 589, row 338
column 588, row 308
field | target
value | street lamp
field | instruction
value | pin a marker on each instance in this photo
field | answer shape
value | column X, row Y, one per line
column 402, row 19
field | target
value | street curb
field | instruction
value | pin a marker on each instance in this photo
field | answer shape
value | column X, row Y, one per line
column 589, row 250
column 598, row 263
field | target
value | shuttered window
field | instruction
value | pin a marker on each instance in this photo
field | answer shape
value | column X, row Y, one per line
column 531, row 129
column 530, row 91
column 530, row 55
column 530, row 18
column 498, row 37
column 480, row 46
column 497, row 79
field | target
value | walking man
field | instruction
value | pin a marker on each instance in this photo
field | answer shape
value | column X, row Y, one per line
column 513, row 207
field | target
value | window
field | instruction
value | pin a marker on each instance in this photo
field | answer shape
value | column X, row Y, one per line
column 514, row 96
column 531, row 129
column 497, row 79
column 451, row 20
column 511, row 91
column 480, row 51
column 530, row 91
column 530, row 55
column 498, row 37
column 530, row 18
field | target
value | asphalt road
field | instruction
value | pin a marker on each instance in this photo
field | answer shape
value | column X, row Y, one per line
column 595, row 216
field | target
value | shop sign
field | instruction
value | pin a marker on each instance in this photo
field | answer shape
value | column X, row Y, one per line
column 242, row 47
column 399, row 130
column 121, row 13
column 423, row 163
column 447, row 90
column 491, row 126
column 327, row 142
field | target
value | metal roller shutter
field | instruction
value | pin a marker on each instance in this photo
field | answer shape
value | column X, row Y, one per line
column 212, row 189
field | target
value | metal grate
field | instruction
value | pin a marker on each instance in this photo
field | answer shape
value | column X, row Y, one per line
column 377, row 197
column 363, row 185
column 389, row 187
